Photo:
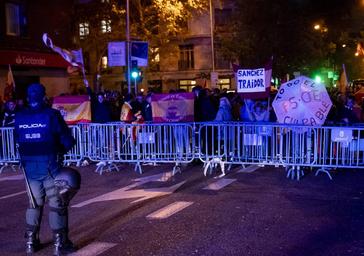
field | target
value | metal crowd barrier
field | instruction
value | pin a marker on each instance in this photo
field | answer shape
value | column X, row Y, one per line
column 166, row 143
column 139, row 143
column 291, row 146
column 76, row 154
column 223, row 144
column 8, row 154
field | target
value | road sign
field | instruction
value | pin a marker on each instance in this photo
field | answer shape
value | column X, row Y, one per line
column 116, row 54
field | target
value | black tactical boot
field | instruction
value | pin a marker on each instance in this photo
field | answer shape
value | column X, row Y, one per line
column 62, row 245
column 33, row 243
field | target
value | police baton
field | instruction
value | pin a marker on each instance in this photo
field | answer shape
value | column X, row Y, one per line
column 29, row 191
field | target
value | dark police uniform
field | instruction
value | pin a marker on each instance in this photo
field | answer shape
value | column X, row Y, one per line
column 42, row 136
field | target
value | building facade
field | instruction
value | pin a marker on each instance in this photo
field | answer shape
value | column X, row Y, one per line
column 181, row 64
column 22, row 24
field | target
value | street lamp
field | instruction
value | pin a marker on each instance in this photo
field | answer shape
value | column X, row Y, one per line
column 317, row 27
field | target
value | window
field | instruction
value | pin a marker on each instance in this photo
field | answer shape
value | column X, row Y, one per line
column 84, row 29
column 12, row 13
column 187, row 85
column 224, row 83
column 104, row 62
column 186, row 58
column 106, row 26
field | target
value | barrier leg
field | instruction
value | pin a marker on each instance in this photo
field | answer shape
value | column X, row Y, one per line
column 112, row 166
column 138, row 168
column 207, row 165
column 177, row 168
column 324, row 170
column 222, row 166
column 100, row 167
column 4, row 165
column 295, row 171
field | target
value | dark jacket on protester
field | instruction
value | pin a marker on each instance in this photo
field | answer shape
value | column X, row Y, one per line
column 101, row 112
column 8, row 119
column 346, row 115
column 147, row 111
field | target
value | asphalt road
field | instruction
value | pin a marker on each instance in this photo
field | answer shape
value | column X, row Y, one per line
column 251, row 211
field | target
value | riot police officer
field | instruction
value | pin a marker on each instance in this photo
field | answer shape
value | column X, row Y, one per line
column 42, row 136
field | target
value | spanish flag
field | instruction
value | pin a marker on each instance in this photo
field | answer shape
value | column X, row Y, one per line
column 173, row 107
column 74, row 109
column 343, row 81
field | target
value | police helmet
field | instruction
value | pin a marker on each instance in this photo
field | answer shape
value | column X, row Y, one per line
column 35, row 94
column 67, row 183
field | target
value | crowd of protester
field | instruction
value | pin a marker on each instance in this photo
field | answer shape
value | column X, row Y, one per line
column 209, row 105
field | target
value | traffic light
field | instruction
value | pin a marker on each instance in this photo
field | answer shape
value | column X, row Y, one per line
column 318, row 79
column 135, row 72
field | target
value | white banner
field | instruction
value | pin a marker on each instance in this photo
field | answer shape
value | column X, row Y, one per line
column 250, row 80
column 116, row 54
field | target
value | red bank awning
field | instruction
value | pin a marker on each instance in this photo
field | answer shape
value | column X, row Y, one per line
column 33, row 59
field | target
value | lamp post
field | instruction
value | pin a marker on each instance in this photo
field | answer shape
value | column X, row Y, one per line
column 128, row 58
column 135, row 75
column 212, row 36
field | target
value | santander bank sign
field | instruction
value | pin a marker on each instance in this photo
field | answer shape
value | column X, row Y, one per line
column 26, row 60
column 34, row 59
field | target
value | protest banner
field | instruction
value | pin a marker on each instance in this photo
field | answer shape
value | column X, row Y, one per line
column 176, row 107
column 253, row 83
column 74, row 109
column 250, row 80
column 302, row 101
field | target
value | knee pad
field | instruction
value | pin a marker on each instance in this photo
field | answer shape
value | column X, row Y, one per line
column 63, row 211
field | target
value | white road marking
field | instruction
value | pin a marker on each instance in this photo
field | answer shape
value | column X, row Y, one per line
column 249, row 169
column 169, row 210
column 12, row 195
column 219, row 184
column 142, row 194
column 93, row 249
column 164, row 176
column 13, row 177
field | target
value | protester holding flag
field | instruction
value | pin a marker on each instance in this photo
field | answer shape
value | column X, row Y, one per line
column 100, row 108
column 127, row 114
